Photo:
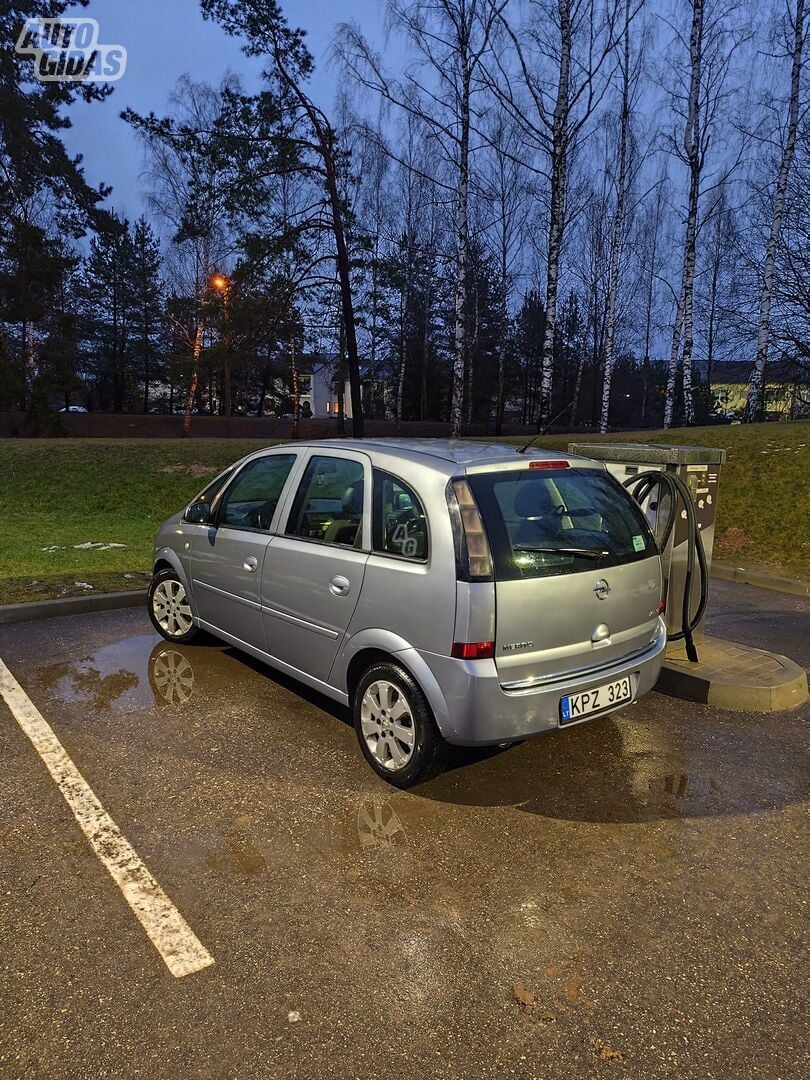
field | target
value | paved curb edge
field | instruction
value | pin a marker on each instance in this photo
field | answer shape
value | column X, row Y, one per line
column 70, row 605
column 793, row 586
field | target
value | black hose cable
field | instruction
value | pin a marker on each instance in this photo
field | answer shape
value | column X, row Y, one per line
column 641, row 486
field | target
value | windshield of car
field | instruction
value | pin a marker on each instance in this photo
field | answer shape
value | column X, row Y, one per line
column 560, row 521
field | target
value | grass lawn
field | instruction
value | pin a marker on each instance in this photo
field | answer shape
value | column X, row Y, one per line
column 56, row 493
column 61, row 492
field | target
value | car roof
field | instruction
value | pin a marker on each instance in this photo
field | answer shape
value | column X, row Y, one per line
column 447, row 455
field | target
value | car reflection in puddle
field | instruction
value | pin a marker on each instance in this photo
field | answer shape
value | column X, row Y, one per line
column 171, row 676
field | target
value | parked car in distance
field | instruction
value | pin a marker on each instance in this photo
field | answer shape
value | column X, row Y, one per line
column 73, row 408
column 446, row 591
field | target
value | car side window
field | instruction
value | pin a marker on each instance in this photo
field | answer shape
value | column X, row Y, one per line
column 399, row 525
column 328, row 505
column 251, row 500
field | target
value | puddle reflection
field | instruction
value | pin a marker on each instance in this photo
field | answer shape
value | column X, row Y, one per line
column 111, row 677
column 379, row 827
column 171, row 675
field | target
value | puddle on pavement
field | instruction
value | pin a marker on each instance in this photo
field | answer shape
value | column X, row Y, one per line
column 138, row 673
column 619, row 771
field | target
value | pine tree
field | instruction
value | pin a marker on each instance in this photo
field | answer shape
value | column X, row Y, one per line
column 109, row 307
column 147, row 306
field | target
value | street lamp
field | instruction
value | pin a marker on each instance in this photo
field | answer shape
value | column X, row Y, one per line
column 220, row 282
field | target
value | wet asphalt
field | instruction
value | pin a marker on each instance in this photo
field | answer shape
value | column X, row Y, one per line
column 644, row 877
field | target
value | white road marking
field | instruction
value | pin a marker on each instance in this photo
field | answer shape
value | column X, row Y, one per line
column 168, row 930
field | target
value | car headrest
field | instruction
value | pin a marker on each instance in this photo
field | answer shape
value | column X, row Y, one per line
column 534, row 499
column 352, row 501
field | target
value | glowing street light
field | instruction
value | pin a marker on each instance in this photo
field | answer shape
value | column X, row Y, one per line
column 220, row 282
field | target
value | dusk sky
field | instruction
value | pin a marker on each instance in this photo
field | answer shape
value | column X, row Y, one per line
column 166, row 39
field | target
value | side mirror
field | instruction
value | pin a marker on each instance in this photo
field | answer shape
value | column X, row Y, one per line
column 198, row 513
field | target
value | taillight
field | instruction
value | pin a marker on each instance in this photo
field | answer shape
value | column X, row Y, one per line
column 549, row 464
column 473, row 557
column 473, row 650
column 662, row 607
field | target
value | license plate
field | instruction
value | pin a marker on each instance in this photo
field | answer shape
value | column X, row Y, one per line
column 577, row 706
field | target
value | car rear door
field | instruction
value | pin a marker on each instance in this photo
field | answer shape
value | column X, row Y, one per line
column 314, row 568
column 227, row 556
column 560, row 614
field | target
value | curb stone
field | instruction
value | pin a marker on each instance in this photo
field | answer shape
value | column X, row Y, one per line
column 793, row 586
column 70, row 605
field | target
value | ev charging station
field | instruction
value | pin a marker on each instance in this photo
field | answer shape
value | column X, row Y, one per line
column 678, row 487
column 699, row 469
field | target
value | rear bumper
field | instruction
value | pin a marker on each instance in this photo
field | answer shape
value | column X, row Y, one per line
column 475, row 710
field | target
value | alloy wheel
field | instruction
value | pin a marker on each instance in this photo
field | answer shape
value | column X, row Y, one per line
column 387, row 725
column 171, row 608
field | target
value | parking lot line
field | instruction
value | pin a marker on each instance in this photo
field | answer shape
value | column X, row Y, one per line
column 168, row 930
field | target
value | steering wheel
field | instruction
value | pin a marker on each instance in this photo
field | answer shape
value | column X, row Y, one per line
column 261, row 516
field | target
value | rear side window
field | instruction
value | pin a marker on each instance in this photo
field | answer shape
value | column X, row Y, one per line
column 328, row 505
column 561, row 522
column 399, row 526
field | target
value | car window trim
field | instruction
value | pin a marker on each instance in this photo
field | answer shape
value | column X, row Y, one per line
column 393, row 554
column 324, row 543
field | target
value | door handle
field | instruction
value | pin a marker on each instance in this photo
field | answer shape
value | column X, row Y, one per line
column 250, row 563
column 339, row 585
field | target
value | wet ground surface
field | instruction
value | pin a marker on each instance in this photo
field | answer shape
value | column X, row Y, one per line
column 643, row 876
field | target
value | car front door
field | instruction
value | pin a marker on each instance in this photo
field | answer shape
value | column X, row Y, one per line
column 227, row 556
column 313, row 571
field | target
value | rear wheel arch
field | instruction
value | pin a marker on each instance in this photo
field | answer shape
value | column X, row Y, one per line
column 406, row 657
column 361, row 662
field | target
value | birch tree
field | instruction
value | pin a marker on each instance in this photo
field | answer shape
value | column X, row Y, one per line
column 701, row 102
column 551, row 76
column 647, row 246
column 629, row 79
column 449, row 39
column 505, row 196
column 717, row 298
column 795, row 43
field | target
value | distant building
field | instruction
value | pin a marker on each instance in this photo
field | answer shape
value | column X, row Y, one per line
column 787, row 387
column 318, row 388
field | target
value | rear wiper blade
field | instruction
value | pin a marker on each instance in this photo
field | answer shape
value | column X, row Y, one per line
column 586, row 553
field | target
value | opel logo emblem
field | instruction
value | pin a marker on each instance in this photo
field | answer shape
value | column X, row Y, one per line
column 601, row 588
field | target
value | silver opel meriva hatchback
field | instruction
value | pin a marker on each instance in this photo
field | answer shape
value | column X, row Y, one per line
column 447, row 591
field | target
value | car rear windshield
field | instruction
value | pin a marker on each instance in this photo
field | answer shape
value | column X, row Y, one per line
column 560, row 521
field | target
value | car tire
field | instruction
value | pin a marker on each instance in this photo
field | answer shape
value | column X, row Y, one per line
column 395, row 727
column 170, row 610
